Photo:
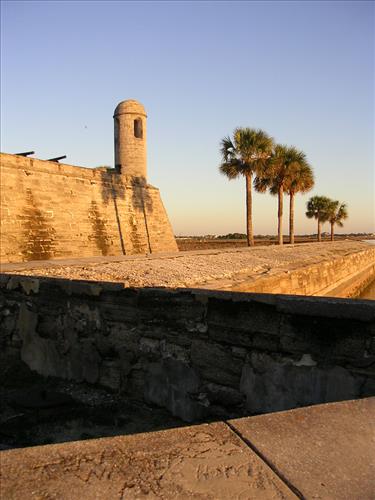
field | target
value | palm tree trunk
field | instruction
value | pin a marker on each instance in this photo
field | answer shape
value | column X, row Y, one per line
column 280, row 215
column 291, row 218
column 319, row 230
column 332, row 231
column 249, row 211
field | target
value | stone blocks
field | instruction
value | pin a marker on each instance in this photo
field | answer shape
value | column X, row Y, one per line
column 53, row 210
column 196, row 353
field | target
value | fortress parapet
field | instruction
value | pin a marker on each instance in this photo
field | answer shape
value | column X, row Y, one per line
column 51, row 210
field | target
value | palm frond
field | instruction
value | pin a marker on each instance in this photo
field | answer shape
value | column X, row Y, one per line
column 337, row 213
column 252, row 145
column 261, row 184
column 318, row 207
column 230, row 170
column 227, row 149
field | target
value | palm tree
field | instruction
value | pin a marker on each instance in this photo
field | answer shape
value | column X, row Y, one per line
column 301, row 180
column 278, row 174
column 245, row 155
column 337, row 212
column 318, row 208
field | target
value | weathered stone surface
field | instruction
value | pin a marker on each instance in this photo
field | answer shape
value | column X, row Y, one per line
column 180, row 307
column 110, row 375
column 48, row 326
column 122, row 335
column 274, row 384
column 221, row 395
column 130, row 150
column 250, row 316
column 149, row 346
column 215, row 363
column 243, row 269
column 371, row 348
column 119, row 312
column 310, row 359
column 206, row 462
column 326, row 308
column 266, row 342
column 74, row 365
column 324, row 337
column 26, row 321
column 37, row 398
column 230, row 335
column 90, row 362
column 169, row 350
column 324, row 451
column 368, row 389
column 42, row 356
column 28, row 286
column 87, row 212
column 170, row 384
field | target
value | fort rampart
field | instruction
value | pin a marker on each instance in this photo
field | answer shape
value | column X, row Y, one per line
column 51, row 210
column 198, row 353
column 339, row 276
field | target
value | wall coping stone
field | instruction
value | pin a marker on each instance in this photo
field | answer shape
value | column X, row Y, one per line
column 362, row 310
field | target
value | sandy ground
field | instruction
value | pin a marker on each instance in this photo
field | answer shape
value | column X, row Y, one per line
column 186, row 269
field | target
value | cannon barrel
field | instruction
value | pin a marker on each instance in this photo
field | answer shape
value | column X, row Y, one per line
column 57, row 159
column 26, row 153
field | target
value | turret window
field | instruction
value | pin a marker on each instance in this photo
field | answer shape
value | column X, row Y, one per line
column 138, row 128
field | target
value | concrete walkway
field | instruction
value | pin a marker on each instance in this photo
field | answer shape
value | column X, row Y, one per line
column 325, row 452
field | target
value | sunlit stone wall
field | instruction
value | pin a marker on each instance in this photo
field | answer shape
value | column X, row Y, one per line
column 51, row 210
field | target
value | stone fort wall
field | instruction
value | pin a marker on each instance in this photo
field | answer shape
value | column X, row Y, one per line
column 196, row 353
column 52, row 210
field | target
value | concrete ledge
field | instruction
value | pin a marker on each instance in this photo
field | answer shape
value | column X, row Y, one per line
column 206, row 461
column 324, row 451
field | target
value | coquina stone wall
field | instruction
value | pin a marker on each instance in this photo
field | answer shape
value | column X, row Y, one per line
column 198, row 353
column 343, row 276
column 51, row 210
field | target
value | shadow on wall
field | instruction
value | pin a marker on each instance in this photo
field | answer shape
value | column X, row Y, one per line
column 140, row 195
column 98, row 224
column 38, row 242
column 142, row 202
column 114, row 190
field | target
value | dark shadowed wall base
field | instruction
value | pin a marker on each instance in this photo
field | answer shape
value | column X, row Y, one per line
column 199, row 354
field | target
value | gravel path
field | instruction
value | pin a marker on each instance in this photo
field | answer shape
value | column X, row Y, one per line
column 192, row 268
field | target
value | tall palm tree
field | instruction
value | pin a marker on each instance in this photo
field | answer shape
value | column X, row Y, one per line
column 277, row 175
column 337, row 212
column 300, row 180
column 318, row 208
column 245, row 155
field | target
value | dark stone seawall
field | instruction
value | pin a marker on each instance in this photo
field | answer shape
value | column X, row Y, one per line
column 197, row 353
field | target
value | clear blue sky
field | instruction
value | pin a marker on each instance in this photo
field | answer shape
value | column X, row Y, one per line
column 302, row 71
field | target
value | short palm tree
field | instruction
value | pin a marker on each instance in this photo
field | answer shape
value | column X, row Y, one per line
column 245, row 155
column 278, row 174
column 300, row 180
column 318, row 208
column 337, row 212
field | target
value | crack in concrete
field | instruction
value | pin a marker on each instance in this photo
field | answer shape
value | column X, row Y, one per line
column 264, row 459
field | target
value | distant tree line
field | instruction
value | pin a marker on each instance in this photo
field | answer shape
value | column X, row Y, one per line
column 279, row 169
column 232, row 236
